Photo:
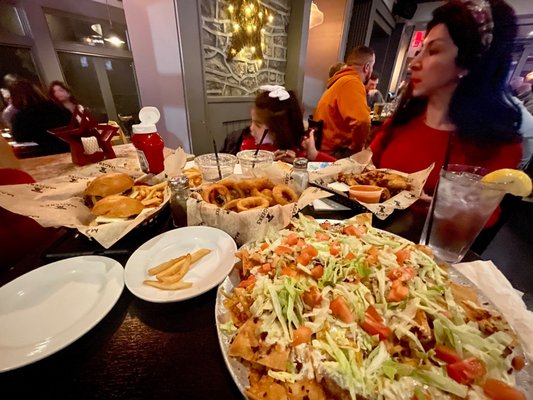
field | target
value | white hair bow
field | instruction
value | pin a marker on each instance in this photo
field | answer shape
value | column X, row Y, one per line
column 276, row 91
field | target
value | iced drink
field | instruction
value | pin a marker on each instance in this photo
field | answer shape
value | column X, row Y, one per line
column 462, row 207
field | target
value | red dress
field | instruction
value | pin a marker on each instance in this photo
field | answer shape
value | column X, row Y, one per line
column 414, row 146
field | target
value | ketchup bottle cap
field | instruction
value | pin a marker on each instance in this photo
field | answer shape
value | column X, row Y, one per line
column 149, row 117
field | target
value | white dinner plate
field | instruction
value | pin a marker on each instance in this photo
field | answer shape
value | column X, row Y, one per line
column 47, row 309
column 204, row 275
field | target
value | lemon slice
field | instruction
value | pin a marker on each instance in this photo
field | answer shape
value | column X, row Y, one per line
column 516, row 182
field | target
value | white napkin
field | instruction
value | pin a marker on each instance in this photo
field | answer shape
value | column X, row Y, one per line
column 90, row 145
column 495, row 286
column 175, row 162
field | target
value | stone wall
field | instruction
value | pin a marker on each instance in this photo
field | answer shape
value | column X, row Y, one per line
column 242, row 76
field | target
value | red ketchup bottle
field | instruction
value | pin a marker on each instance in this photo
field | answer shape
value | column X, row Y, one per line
column 147, row 141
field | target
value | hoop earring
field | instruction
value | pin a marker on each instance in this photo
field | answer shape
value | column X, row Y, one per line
column 461, row 76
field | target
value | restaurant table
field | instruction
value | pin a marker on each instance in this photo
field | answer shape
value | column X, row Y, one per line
column 142, row 350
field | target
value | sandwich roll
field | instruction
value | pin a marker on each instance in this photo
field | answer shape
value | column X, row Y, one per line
column 117, row 206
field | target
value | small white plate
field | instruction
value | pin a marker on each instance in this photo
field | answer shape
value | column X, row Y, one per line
column 47, row 309
column 204, row 275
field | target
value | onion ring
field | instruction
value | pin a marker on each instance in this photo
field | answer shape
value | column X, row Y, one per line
column 247, row 185
column 231, row 205
column 266, row 193
column 233, row 187
column 250, row 203
column 216, row 194
column 283, row 194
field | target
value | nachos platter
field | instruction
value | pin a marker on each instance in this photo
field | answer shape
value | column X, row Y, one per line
column 347, row 311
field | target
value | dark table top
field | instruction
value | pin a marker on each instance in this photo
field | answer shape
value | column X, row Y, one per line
column 141, row 350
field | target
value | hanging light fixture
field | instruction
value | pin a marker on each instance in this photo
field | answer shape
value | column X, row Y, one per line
column 112, row 37
column 316, row 17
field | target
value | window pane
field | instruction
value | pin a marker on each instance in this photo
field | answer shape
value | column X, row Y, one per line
column 18, row 61
column 80, row 74
column 123, row 86
column 10, row 21
column 81, row 31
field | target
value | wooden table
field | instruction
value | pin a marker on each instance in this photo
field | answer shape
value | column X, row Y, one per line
column 45, row 167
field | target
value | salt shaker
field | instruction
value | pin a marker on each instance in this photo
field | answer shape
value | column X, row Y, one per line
column 179, row 193
column 299, row 174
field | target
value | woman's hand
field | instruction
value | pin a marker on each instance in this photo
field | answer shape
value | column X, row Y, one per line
column 308, row 143
column 287, row 156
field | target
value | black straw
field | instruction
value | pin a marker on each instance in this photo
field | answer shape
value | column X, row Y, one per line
column 435, row 193
column 216, row 158
column 265, row 132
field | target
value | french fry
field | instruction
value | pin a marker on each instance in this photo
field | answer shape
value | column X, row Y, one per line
column 170, row 273
column 151, row 202
column 176, row 267
column 168, row 286
column 164, row 265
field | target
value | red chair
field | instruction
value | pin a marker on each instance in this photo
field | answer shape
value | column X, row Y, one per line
column 18, row 234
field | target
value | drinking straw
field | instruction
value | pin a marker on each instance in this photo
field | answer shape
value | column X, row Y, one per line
column 216, row 157
column 435, row 193
column 259, row 145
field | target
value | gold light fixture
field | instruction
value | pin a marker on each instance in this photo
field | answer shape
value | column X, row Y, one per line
column 248, row 19
column 112, row 36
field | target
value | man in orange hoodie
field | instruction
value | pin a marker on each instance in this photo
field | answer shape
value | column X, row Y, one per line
column 343, row 106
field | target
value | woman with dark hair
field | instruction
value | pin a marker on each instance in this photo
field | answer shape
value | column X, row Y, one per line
column 278, row 112
column 457, row 108
column 62, row 95
column 36, row 114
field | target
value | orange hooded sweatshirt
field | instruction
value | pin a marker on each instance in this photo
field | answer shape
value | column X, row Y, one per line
column 345, row 113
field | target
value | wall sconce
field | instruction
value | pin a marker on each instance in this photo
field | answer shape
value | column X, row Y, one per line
column 248, row 20
column 112, row 36
column 317, row 17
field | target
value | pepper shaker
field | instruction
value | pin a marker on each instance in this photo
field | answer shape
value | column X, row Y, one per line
column 179, row 193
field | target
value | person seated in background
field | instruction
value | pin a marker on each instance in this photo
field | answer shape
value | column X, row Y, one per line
column 9, row 110
column 457, row 108
column 522, row 91
column 343, row 106
column 373, row 95
column 36, row 114
column 335, row 68
column 276, row 115
column 61, row 94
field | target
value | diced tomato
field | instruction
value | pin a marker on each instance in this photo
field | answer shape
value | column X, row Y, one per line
column 398, row 291
column 307, row 254
column 311, row 250
column 301, row 335
column 499, row 390
column 300, row 243
column 339, row 308
column 466, row 371
column 372, row 312
column 312, row 297
column 352, row 230
column 266, row 268
column 248, row 282
column 303, row 258
column 446, row 354
column 317, row 272
column 373, row 324
column 292, row 239
column 349, row 256
column 402, row 255
column 403, row 274
column 321, row 236
column 288, row 271
column 264, row 246
column 518, row 362
column 326, row 225
column 281, row 250
column 373, row 251
column 334, row 248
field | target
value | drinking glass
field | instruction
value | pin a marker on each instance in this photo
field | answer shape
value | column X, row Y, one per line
column 460, row 209
column 212, row 168
column 248, row 159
